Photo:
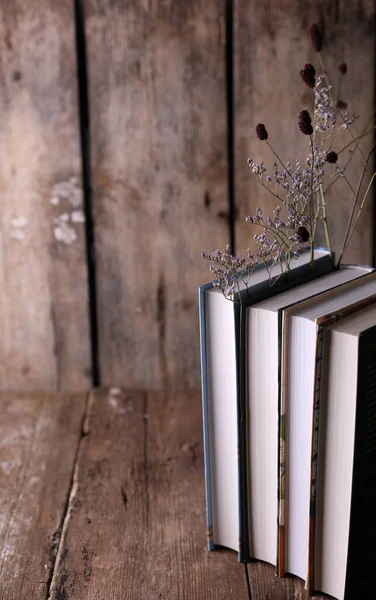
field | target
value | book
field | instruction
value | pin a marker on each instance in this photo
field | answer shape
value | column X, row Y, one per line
column 344, row 561
column 302, row 361
column 264, row 325
column 222, row 348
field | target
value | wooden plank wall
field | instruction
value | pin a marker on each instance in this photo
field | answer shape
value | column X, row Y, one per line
column 159, row 133
column 44, row 338
column 159, row 170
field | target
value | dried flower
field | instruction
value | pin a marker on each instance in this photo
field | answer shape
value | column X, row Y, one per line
column 229, row 270
column 305, row 123
column 331, row 157
column 302, row 234
column 341, row 105
column 261, row 132
column 308, row 75
column 299, row 189
column 316, row 37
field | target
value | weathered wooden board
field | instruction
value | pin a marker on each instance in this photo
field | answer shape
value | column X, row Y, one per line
column 119, row 496
column 44, row 337
column 271, row 45
column 159, row 160
column 136, row 526
column 39, row 435
column 266, row 586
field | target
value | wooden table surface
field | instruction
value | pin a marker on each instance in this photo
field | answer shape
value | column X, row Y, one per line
column 102, row 498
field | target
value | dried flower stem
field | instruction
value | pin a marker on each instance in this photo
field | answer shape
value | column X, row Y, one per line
column 348, row 183
column 341, row 115
column 359, row 137
column 317, row 214
column 337, row 175
column 275, row 233
column 345, row 240
column 267, row 187
column 311, row 202
column 277, row 157
column 325, row 221
column 361, row 208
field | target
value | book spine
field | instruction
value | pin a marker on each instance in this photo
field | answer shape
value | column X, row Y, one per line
column 283, row 337
column 241, row 349
column 314, row 458
column 206, row 415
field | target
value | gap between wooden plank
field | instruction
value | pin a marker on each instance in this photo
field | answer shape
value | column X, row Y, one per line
column 230, row 122
column 248, row 582
column 146, row 466
column 58, row 535
column 84, row 122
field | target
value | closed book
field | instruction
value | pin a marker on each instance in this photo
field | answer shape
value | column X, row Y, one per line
column 301, row 366
column 223, row 356
column 345, row 532
column 264, row 324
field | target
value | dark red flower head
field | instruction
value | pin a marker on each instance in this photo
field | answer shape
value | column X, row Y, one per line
column 342, row 68
column 305, row 123
column 308, row 75
column 331, row 157
column 261, row 132
column 316, row 37
column 303, row 234
column 341, row 105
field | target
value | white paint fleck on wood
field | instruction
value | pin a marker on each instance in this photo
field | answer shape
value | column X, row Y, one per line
column 113, row 402
column 63, row 218
column 77, row 216
column 65, row 234
column 115, row 391
column 114, row 395
column 19, row 222
column 69, row 190
column 17, row 230
column 68, row 196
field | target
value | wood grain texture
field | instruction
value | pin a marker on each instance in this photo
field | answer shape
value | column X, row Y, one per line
column 266, row 586
column 39, row 435
column 271, row 47
column 44, row 337
column 115, row 487
column 136, row 526
column 159, row 160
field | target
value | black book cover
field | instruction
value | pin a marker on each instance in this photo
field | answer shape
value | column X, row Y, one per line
column 361, row 559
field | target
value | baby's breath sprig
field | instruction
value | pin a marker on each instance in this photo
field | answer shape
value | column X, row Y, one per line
column 231, row 273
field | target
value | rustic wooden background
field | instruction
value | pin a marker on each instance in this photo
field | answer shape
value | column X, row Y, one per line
column 125, row 128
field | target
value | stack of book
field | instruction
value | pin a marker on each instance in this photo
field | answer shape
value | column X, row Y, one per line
column 289, row 411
